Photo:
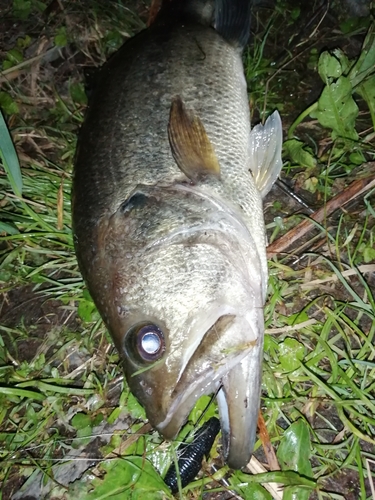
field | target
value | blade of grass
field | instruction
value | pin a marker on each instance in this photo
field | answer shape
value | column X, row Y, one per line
column 9, row 158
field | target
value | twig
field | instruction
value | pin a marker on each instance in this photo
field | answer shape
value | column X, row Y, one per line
column 266, row 442
column 365, row 268
column 290, row 328
column 354, row 190
column 368, row 460
column 6, row 75
column 256, row 467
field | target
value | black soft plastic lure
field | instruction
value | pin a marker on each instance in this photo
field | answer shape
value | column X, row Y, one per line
column 190, row 455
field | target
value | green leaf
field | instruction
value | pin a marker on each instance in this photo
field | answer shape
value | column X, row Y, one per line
column 14, row 56
column 295, row 13
column 367, row 91
column 298, row 153
column 344, row 61
column 362, row 73
column 255, row 491
column 296, row 493
column 357, row 157
column 23, row 43
column 270, row 344
column 61, row 38
column 9, row 158
column 85, row 432
column 98, row 419
column 287, row 477
column 86, row 310
column 122, row 475
column 113, row 39
column 135, row 409
column 294, row 453
column 354, row 24
column 22, row 393
column 8, row 228
column 311, row 184
column 364, row 65
column 292, row 319
column 78, row 94
column 329, row 67
column 291, row 353
column 202, row 406
column 369, row 254
column 83, row 424
column 7, row 104
column 337, row 109
column 22, row 8
column 80, row 421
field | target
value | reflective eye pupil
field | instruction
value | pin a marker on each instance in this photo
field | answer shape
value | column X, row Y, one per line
column 145, row 342
column 151, row 343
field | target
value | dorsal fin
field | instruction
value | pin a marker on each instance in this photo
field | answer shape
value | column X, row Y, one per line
column 232, row 20
column 190, row 145
column 185, row 11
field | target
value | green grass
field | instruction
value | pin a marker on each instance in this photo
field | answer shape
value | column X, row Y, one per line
column 61, row 383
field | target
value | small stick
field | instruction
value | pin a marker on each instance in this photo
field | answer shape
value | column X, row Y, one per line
column 276, row 490
column 354, row 190
column 256, row 467
column 266, row 442
column 14, row 71
column 369, row 475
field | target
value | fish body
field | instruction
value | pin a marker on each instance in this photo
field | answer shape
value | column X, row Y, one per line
column 167, row 216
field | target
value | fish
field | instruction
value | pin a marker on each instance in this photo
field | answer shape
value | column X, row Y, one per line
column 168, row 221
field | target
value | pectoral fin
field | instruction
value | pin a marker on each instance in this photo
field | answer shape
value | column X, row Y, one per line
column 265, row 153
column 190, row 145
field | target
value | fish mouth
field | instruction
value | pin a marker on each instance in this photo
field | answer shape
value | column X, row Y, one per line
column 232, row 372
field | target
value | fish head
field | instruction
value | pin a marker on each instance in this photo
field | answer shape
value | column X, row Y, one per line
column 178, row 281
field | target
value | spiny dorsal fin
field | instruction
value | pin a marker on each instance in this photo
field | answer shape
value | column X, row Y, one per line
column 190, row 145
column 232, row 20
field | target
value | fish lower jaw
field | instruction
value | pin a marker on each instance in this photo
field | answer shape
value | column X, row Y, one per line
column 184, row 402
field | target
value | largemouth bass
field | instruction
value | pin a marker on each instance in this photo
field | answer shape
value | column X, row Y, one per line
column 168, row 221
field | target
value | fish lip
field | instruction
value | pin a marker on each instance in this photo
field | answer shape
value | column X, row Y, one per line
column 236, row 382
column 209, row 382
column 238, row 400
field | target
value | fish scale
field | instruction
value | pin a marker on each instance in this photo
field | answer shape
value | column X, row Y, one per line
column 139, row 151
column 167, row 216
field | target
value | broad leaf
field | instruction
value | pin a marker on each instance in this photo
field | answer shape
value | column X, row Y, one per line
column 337, row 109
column 294, row 453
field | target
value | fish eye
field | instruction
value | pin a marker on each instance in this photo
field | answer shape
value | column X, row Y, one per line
column 147, row 342
column 137, row 200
